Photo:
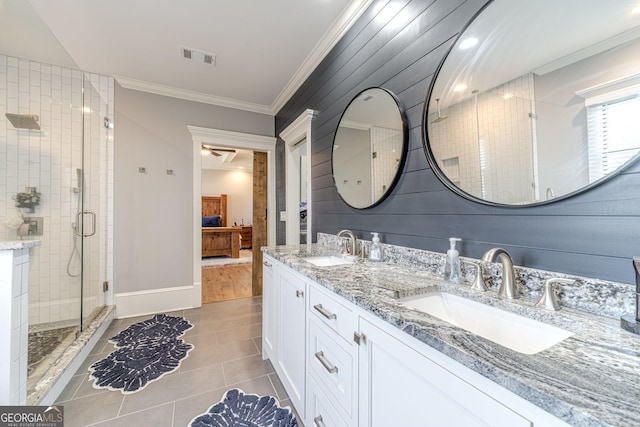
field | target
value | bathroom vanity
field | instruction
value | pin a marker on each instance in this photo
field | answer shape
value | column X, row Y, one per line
column 350, row 352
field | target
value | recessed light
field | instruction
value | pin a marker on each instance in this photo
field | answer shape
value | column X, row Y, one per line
column 468, row 43
column 636, row 10
column 459, row 88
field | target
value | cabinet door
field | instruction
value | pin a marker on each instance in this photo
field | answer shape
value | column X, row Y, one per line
column 291, row 338
column 401, row 387
column 270, row 308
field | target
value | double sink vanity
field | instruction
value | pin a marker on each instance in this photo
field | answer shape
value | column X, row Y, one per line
column 513, row 120
column 357, row 343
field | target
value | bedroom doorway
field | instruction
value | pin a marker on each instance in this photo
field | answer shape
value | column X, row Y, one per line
column 234, row 280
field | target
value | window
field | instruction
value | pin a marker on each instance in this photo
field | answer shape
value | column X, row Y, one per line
column 613, row 134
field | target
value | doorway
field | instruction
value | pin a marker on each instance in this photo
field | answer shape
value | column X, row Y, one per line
column 227, row 195
column 297, row 140
column 263, row 226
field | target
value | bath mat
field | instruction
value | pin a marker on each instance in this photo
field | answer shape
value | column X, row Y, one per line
column 239, row 409
column 145, row 351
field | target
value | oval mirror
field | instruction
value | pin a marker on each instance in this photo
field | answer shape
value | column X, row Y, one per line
column 369, row 148
column 536, row 101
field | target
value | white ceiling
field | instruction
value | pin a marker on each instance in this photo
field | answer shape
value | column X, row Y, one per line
column 544, row 35
column 264, row 49
column 240, row 160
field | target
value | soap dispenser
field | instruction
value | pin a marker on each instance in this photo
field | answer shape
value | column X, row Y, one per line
column 375, row 252
column 452, row 271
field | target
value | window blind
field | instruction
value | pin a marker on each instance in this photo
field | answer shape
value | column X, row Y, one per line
column 613, row 134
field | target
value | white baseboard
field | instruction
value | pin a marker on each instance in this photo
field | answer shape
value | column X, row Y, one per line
column 152, row 301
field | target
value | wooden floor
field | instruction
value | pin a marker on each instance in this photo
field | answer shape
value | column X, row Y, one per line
column 225, row 283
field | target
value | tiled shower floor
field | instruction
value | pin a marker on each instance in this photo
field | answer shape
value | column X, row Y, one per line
column 44, row 343
column 45, row 346
column 227, row 354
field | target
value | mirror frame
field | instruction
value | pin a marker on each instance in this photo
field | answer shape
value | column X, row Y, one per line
column 442, row 177
column 403, row 155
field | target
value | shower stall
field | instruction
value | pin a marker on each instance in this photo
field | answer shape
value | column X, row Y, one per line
column 56, row 171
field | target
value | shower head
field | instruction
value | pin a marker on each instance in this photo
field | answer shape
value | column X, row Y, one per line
column 24, row 121
column 440, row 117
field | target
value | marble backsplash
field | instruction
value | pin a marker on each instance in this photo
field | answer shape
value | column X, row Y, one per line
column 600, row 297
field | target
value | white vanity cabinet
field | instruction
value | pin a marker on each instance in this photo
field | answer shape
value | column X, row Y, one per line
column 284, row 327
column 344, row 367
column 270, row 306
column 291, row 347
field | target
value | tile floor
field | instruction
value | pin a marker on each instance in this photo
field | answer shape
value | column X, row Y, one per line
column 227, row 354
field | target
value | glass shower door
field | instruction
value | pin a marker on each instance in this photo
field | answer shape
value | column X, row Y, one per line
column 91, row 217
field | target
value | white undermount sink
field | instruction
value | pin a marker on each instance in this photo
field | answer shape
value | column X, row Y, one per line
column 510, row 330
column 328, row 261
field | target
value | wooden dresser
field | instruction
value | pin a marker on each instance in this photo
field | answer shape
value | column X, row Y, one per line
column 246, row 233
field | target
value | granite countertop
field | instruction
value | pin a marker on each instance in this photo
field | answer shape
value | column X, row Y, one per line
column 12, row 245
column 590, row 379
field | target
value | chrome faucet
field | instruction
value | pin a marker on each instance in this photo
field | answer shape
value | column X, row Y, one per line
column 354, row 246
column 549, row 299
column 478, row 282
column 508, row 286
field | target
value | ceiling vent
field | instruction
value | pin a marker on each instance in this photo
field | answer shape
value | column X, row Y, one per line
column 198, row 56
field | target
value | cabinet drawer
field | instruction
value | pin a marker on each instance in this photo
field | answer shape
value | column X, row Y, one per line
column 333, row 314
column 320, row 411
column 332, row 363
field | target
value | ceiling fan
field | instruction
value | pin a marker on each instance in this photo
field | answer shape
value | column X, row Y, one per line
column 216, row 151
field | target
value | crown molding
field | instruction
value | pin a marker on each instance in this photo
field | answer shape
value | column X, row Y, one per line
column 594, row 49
column 345, row 21
column 189, row 95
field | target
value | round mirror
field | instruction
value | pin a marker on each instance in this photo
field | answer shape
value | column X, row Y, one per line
column 369, row 148
column 536, row 101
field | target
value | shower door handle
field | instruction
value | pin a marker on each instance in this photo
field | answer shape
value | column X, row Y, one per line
column 93, row 223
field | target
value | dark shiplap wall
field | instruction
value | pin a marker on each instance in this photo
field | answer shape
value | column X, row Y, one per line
column 594, row 234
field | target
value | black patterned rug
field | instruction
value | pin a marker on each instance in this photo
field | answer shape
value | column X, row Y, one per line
column 145, row 351
column 239, row 409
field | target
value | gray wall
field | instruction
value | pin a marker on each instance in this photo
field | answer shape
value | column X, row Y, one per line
column 153, row 238
column 594, row 234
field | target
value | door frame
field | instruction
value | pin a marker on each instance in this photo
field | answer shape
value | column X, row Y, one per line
column 227, row 139
column 298, row 130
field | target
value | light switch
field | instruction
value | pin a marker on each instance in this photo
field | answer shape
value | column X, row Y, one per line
column 283, row 215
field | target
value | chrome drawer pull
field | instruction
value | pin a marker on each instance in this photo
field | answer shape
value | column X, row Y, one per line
column 266, row 263
column 324, row 312
column 318, row 421
column 326, row 363
column 299, row 294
